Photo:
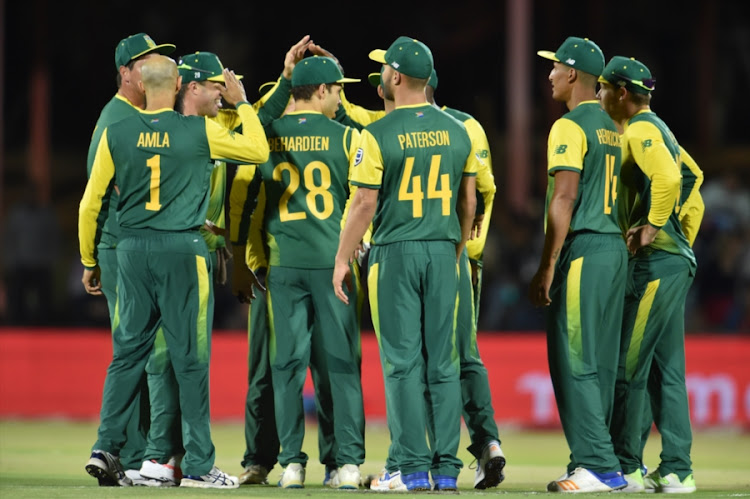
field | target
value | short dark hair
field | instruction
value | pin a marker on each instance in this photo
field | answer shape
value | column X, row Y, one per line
column 640, row 99
column 305, row 92
column 129, row 65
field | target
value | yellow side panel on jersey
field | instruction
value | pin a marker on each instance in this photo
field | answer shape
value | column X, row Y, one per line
column 573, row 314
column 102, row 172
column 566, row 146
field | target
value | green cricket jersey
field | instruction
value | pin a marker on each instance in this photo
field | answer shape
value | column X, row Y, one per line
column 161, row 163
column 118, row 108
column 306, row 181
column 652, row 176
column 586, row 141
column 416, row 156
column 485, row 179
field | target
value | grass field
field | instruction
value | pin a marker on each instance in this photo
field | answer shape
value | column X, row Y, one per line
column 45, row 459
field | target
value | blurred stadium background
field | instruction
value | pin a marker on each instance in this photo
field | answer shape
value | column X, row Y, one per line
column 57, row 74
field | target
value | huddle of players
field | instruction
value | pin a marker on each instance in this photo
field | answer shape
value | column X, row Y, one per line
column 165, row 253
column 407, row 224
column 619, row 183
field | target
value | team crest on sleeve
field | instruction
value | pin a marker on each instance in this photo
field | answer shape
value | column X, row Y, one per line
column 358, row 157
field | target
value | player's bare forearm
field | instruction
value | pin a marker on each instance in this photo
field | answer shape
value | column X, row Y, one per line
column 559, row 215
column 361, row 213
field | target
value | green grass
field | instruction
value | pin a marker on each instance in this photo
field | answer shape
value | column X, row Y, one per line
column 46, row 459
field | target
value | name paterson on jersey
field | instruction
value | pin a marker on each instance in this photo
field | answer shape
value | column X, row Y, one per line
column 418, row 140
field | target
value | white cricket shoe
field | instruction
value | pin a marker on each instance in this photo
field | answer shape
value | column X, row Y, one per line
column 583, row 480
column 490, row 466
column 214, row 479
column 169, row 472
column 141, row 481
column 669, row 484
column 388, row 482
column 292, row 477
column 347, row 477
column 635, row 482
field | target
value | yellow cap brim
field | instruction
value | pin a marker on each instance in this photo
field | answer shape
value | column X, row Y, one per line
column 378, row 55
column 548, row 55
column 220, row 78
column 601, row 80
column 348, row 80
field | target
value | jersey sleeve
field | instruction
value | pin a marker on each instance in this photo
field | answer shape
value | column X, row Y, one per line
column 242, row 201
column 256, row 256
column 249, row 147
column 566, row 147
column 486, row 187
column 646, row 146
column 273, row 103
column 91, row 216
column 366, row 165
column 691, row 212
column 358, row 113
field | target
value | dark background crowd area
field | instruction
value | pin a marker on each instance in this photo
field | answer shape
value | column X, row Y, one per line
column 58, row 72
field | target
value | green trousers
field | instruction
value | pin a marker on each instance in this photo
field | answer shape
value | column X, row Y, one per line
column 583, row 340
column 413, row 299
column 652, row 364
column 476, row 397
column 131, row 453
column 164, row 280
column 307, row 320
column 165, row 435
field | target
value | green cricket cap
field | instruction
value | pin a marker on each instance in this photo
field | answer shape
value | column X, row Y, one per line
column 137, row 45
column 201, row 66
column 376, row 79
column 629, row 73
column 578, row 53
column 433, row 81
column 408, row 56
column 315, row 70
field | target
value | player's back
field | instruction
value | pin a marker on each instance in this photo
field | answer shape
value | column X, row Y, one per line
column 162, row 170
column 595, row 207
column 637, row 193
column 424, row 151
column 306, row 187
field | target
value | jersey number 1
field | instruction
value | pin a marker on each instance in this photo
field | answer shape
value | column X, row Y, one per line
column 154, row 163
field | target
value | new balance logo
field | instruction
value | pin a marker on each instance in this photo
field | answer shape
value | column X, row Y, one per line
column 561, row 149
